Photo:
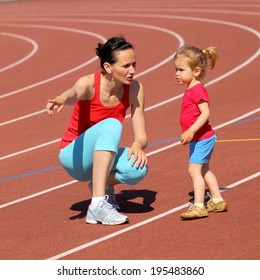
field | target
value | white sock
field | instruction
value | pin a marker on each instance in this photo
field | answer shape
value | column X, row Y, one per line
column 200, row 205
column 95, row 200
column 217, row 199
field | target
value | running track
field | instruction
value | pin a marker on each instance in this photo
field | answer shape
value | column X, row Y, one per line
column 45, row 47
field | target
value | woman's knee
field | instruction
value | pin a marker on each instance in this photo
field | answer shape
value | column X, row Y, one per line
column 109, row 134
column 138, row 174
column 132, row 175
column 127, row 173
column 112, row 126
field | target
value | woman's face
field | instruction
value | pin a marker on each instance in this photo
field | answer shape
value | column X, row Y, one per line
column 124, row 68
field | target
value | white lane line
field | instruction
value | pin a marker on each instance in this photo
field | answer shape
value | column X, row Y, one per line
column 154, row 152
column 37, row 194
column 162, row 149
column 215, row 128
column 245, row 63
column 30, row 149
column 189, row 10
column 172, row 33
column 145, row 222
column 61, row 74
column 231, row 72
column 181, row 41
column 140, row 15
column 148, row 154
column 237, row 119
column 23, row 117
column 35, row 48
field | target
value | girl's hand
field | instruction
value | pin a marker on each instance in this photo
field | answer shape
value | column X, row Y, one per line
column 139, row 159
column 58, row 102
column 187, row 136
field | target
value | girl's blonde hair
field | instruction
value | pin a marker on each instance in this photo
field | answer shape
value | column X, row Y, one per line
column 198, row 58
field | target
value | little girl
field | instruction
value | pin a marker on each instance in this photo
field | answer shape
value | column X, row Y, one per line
column 191, row 64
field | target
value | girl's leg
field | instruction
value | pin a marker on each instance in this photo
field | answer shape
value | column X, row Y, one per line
column 199, row 185
column 196, row 210
column 211, row 181
column 216, row 202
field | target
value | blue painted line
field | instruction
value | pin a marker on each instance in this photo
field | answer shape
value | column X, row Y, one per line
column 30, row 173
column 56, row 167
column 164, row 141
column 150, row 145
column 247, row 120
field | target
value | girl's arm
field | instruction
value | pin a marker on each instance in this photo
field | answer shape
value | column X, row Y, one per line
column 188, row 135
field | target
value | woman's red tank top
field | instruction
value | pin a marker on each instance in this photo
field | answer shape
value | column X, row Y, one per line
column 87, row 113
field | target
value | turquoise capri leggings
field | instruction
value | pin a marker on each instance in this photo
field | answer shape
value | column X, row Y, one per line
column 77, row 157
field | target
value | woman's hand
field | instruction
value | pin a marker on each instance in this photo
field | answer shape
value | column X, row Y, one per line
column 139, row 159
column 58, row 102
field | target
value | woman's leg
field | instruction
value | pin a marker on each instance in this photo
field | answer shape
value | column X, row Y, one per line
column 90, row 157
column 78, row 157
column 123, row 172
column 102, row 165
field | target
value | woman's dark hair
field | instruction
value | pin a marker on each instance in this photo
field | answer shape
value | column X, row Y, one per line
column 106, row 52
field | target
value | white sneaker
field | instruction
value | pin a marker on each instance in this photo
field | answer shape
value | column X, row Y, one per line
column 105, row 214
column 110, row 192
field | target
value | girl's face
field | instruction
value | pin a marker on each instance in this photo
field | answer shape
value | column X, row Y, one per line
column 123, row 69
column 184, row 74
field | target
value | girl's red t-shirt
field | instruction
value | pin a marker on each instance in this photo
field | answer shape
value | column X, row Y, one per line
column 190, row 111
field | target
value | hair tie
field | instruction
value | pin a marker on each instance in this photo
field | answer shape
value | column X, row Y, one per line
column 204, row 51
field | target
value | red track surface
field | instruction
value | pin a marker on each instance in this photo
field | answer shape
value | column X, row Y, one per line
column 66, row 33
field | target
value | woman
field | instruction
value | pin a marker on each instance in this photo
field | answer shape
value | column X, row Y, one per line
column 90, row 146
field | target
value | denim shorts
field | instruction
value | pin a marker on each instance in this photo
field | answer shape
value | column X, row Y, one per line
column 200, row 151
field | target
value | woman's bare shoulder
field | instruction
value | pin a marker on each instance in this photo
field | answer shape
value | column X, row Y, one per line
column 85, row 87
